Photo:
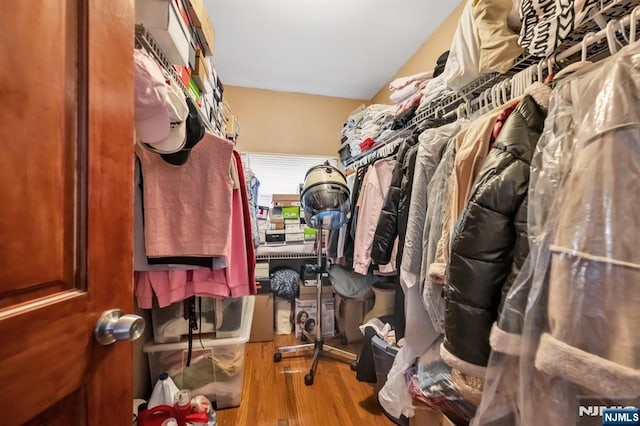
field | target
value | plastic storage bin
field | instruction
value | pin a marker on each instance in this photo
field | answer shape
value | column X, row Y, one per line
column 217, row 365
column 217, row 318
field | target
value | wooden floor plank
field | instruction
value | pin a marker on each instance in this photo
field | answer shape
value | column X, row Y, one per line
column 274, row 394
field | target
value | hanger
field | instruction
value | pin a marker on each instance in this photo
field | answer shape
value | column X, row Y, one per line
column 632, row 25
column 505, row 93
column 540, row 72
column 462, row 111
column 550, row 63
column 585, row 43
column 623, row 32
column 612, row 42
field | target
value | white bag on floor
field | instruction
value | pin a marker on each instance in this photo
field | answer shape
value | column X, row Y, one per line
column 163, row 392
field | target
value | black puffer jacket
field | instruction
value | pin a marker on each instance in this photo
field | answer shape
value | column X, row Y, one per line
column 395, row 210
column 387, row 228
column 489, row 243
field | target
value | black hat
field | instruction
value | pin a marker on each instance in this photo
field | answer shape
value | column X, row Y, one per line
column 194, row 133
column 440, row 64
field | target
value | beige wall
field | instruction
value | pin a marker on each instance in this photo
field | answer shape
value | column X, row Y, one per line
column 425, row 58
column 291, row 123
column 294, row 123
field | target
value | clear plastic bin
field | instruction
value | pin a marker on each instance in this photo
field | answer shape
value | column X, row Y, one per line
column 217, row 318
column 217, row 365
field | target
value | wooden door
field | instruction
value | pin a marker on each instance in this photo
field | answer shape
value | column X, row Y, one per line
column 66, row 170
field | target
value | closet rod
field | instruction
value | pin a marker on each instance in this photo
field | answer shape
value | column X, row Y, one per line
column 470, row 95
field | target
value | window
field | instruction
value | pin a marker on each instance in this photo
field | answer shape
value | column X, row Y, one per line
column 281, row 173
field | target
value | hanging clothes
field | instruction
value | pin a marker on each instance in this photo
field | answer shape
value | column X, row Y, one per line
column 253, row 186
column 472, row 147
column 591, row 340
column 394, row 217
column 186, row 208
column 489, row 243
column 375, row 186
column 431, row 148
column 580, row 325
column 438, row 191
column 349, row 241
column 248, row 285
column 550, row 163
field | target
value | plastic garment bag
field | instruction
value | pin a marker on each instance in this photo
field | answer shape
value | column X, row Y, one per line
column 550, row 162
column 419, row 336
column 439, row 190
column 581, row 324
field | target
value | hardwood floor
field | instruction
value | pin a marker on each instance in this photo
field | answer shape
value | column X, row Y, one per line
column 274, row 394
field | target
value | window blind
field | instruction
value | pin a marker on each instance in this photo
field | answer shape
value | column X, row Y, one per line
column 281, row 173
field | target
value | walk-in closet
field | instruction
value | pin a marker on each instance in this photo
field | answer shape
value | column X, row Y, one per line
column 297, row 213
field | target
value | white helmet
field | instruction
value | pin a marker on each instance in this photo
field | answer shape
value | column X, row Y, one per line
column 325, row 197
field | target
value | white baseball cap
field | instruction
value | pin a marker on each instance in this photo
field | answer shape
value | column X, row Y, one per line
column 178, row 111
column 152, row 115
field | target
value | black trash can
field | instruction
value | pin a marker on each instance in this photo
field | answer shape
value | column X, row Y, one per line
column 383, row 356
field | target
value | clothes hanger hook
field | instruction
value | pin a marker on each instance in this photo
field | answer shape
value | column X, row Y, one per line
column 585, row 44
column 540, row 72
column 623, row 32
column 632, row 25
column 611, row 36
column 494, row 96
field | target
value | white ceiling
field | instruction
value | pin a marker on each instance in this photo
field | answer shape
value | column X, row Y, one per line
column 343, row 48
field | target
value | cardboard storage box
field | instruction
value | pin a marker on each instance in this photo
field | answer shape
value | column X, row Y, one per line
column 201, row 74
column 263, row 212
column 262, row 328
column 309, row 234
column 207, row 34
column 163, row 19
column 294, row 237
column 262, row 270
column 263, row 285
column 275, row 237
column 283, row 316
column 202, row 22
column 291, row 212
column 308, row 290
column 276, row 214
column 350, row 315
column 277, row 224
column 282, row 200
column 425, row 416
column 308, row 307
column 193, row 89
column 217, row 365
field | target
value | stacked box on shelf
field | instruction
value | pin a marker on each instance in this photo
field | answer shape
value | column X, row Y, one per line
column 164, row 20
column 232, row 127
column 285, row 215
column 203, row 25
column 216, row 367
column 263, row 277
